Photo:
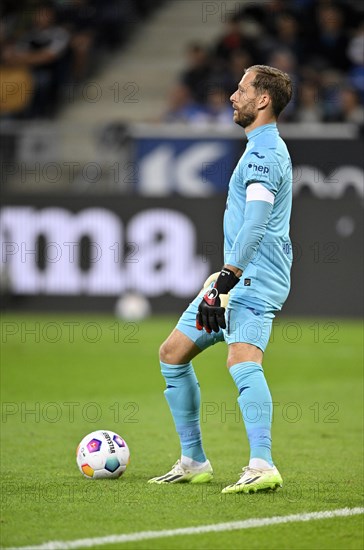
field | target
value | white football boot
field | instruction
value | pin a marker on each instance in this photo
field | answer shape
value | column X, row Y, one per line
column 253, row 480
column 186, row 474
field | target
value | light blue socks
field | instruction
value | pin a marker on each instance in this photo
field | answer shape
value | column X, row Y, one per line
column 256, row 407
column 183, row 397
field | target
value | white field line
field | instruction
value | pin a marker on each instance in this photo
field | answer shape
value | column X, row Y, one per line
column 214, row 528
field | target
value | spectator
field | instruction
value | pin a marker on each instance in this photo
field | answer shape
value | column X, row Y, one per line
column 286, row 62
column 217, row 111
column 288, row 36
column 116, row 19
column 331, row 81
column 329, row 44
column 80, row 18
column 44, row 50
column 265, row 14
column 232, row 41
column 239, row 61
column 309, row 104
column 350, row 108
column 355, row 53
column 182, row 108
column 198, row 72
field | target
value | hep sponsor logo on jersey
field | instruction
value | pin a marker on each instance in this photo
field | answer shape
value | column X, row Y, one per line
column 259, row 168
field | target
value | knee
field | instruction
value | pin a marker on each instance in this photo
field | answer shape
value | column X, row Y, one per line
column 166, row 353
column 178, row 349
column 242, row 353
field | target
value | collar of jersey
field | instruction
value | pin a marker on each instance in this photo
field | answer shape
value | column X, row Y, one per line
column 256, row 131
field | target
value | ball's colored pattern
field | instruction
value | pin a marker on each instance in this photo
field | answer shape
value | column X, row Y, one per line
column 112, row 464
column 87, row 470
column 119, row 441
column 94, row 445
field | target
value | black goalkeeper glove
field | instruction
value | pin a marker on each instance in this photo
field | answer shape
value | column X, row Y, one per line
column 211, row 311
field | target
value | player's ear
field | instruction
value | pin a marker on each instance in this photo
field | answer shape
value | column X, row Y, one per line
column 263, row 101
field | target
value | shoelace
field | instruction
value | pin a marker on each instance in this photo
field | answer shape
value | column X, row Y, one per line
column 177, row 468
column 252, row 471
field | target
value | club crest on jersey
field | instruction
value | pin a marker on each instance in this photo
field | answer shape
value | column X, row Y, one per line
column 259, row 168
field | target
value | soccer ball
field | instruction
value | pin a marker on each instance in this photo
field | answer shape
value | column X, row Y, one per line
column 102, row 454
column 132, row 306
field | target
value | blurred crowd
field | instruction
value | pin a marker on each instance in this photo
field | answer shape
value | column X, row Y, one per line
column 48, row 46
column 319, row 43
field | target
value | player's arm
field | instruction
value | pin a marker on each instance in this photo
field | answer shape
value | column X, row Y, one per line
column 258, row 209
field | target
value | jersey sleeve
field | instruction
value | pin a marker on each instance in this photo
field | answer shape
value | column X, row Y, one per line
column 248, row 239
column 263, row 167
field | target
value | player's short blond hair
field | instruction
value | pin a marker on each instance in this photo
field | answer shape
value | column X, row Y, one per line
column 274, row 82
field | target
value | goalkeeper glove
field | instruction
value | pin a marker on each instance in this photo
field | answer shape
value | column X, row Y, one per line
column 211, row 311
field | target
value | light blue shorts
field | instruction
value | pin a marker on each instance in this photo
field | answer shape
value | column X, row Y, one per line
column 248, row 320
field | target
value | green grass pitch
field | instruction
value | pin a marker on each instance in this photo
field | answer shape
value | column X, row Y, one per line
column 65, row 376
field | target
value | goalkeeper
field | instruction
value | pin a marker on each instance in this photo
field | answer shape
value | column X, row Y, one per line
column 238, row 304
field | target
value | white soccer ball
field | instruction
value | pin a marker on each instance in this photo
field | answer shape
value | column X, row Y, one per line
column 132, row 306
column 102, row 454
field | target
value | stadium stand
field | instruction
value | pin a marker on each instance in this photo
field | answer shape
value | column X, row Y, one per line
column 51, row 47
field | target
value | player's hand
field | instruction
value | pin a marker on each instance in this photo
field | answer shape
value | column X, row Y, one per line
column 211, row 311
column 210, row 316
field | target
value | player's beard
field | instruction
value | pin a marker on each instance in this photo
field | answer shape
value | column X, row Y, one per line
column 247, row 117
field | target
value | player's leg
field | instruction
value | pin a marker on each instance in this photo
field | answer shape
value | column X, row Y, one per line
column 178, row 349
column 247, row 334
column 183, row 396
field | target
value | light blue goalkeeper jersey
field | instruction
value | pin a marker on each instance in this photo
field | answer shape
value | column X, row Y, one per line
column 266, row 270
